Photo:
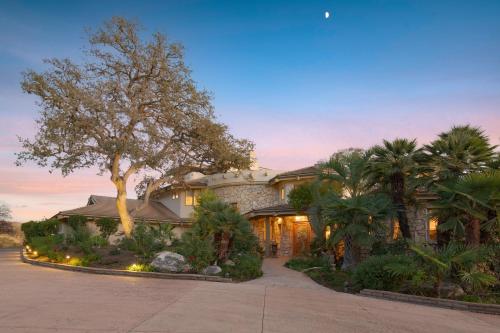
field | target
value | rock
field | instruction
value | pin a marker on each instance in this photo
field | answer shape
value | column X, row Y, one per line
column 229, row 262
column 167, row 261
column 451, row 290
column 212, row 270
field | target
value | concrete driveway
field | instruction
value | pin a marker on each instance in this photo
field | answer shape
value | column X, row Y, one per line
column 36, row 299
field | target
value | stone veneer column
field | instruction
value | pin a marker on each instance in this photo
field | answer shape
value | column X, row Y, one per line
column 268, row 237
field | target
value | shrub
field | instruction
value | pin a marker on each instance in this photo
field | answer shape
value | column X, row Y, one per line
column 375, row 272
column 145, row 242
column 140, row 268
column 198, row 252
column 48, row 246
column 39, row 229
column 80, row 234
column 77, row 221
column 75, row 262
column 334, row 279
column 107, row 226
column 98, row 241
column 246, row 267
column 163, row 232
column 90, row 258
column 381, row 247
column 301, row 263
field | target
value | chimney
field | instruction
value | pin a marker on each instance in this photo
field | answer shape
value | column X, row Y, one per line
column 255, row 164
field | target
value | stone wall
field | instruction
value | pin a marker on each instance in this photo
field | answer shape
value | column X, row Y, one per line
column 285, row 248
column 248, row 196
column 418, row 220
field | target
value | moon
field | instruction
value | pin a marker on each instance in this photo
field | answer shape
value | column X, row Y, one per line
column 327, row 14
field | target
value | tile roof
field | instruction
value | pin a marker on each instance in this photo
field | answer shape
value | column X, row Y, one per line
column 273, row 211
column 102, row 206
column 309, row 171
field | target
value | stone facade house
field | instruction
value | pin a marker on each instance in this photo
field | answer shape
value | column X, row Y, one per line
column 260, row 194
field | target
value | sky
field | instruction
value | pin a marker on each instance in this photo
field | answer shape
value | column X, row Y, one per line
column 282, row 75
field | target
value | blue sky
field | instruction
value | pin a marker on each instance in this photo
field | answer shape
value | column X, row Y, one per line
column 299, row 85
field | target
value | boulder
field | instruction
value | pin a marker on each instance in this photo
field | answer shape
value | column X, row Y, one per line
column 229, row 262
column 451, row 290
column 212, row 270
column 167, row 261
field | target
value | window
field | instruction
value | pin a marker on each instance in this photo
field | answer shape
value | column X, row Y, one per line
column 234, row 205
column 191, row 198
column 175, row 195
column 282, row 193
column 328, row 232
column 395, row 229
column 433, row 223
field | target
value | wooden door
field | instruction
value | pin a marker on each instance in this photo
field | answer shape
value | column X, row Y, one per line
column 301, row 238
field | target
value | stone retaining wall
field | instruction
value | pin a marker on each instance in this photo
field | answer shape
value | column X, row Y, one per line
column 439, row 302
column 107, row 271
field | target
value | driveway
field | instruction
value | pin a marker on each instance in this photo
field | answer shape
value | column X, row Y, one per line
column 37, row 299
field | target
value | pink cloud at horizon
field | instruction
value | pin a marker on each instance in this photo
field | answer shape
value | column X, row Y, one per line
column 284, row 142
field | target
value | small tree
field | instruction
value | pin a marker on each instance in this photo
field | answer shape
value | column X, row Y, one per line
column 107, row 226
column 131, row 106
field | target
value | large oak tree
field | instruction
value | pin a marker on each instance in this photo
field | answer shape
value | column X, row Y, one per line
column 130, row 107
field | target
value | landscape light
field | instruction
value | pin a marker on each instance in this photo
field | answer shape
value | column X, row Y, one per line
column 68, row 256
column 35, row 253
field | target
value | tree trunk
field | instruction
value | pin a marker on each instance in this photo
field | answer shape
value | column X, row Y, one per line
column 224, row 246
column 121, row 205
column 398, row 189
column 474, row 232
column 349, row 260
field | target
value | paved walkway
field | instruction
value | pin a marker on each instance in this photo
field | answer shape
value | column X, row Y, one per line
column 37, row 299
column 277, row 275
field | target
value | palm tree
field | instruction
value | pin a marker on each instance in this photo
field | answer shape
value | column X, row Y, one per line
column 394, row 166
column 356, row 221
column 456, row 259
column 460, row 151
column 218, row 221
column 354, row 213
column 470, row 204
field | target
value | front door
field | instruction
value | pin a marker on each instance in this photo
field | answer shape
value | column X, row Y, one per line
column 301, row 238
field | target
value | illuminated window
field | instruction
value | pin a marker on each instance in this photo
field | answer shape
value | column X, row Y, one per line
column 191, row 198
column 433, row 223
column 395, row 229
column 327, row 232
column 282, row 193
column 175, row 195
column 301, row 218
